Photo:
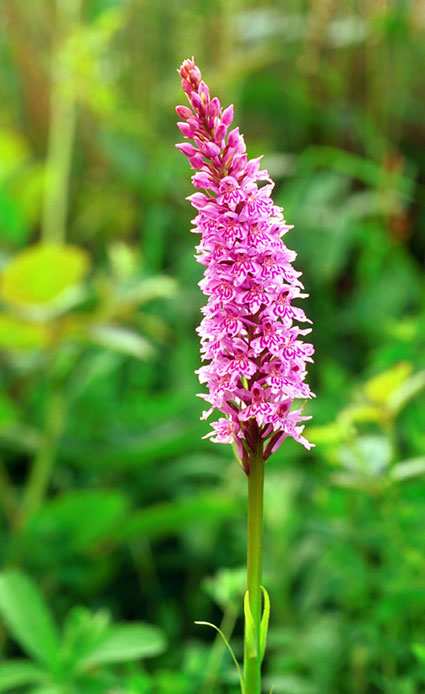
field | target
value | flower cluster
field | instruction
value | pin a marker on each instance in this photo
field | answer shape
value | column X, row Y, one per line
column 256, row 357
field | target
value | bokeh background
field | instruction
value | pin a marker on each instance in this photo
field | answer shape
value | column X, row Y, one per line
column 119, row 525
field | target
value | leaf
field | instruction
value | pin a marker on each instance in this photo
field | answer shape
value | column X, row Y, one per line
column 250, row 632
column 81, row 517
column 126, row 642
column 407, row 390
column 15, row 673
column 380, row 388
column 122, row 340
column 28, row 618
column 42, row 273
column 367, row 456
column 408, row 468
column 83, row 632
column 230, row 649
column 227, row 586
column 419, row 651
column 16, row 334
column 360, row 413
column 264, row 624
column 173, row 517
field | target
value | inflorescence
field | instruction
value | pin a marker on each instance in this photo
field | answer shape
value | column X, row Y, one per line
column 256, row 358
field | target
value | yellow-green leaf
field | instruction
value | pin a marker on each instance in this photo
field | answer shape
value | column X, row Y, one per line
column 42, row 273
column 264, row 625
column 380, row 387
column 16, row 334
column 250, row 631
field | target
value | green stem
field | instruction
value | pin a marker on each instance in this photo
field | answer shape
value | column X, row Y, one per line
column 252, row 665
column 8, row 497
column 61, row 131
column 45, row 459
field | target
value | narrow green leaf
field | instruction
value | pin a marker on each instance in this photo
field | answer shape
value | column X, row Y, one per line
column 407, row 390
column 126, row 642
column 122, row 340
column 414, row 467
column 250, row 635
column 28, row 618
column 230, row 649
column 16, row 673
column 264, row 625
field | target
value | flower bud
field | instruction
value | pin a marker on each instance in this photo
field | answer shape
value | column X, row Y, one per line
column 227, row 116
column 211, row 149
column 201, row 180
column 196, row 161
column 214, row 107
column 220, row 133
column 194, row 123
column 198, row 200
column 253, row 166
column 184, row 112
column 185, row 129
column 195, row 76
column 187, row 149
column 233, row 139
column 186, row 86
column 204, row 92
column 196, row 101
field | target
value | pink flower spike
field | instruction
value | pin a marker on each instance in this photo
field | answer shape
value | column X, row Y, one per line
column 253, row 351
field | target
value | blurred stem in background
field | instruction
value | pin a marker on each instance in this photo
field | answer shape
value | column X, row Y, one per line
column 61, row 129
column 44, row 461
column 53, row 226
column 8, row 496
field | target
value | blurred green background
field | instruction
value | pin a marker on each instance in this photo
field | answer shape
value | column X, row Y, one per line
column 119, row 525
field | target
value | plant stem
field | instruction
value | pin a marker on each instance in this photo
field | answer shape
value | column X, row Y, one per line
column 252, row 665
column 45, row 459
column 61, row 131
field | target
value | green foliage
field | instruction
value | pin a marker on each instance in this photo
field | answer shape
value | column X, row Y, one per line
column 41, row 274
column 28, row 618
column 109, row 496
column 88, row 641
